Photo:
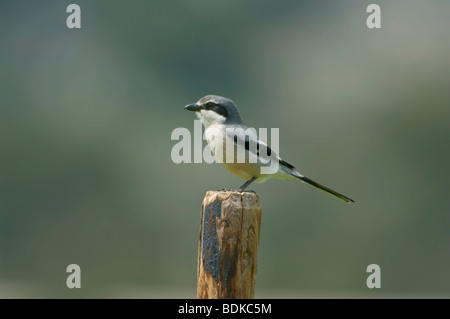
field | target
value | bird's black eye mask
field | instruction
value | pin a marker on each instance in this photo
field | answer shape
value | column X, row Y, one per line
column 219, row 109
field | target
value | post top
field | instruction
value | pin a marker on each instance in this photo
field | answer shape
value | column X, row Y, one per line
column 241, row 198
column 226, row 193
column 232, row 191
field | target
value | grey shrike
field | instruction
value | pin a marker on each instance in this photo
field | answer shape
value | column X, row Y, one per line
column 224, row 132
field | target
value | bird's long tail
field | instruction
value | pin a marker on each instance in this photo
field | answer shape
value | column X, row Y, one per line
column 323, row 188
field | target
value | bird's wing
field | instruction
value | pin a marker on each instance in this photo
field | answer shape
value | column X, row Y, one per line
column 254, row 148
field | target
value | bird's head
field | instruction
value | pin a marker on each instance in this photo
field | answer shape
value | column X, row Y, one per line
column 214, row 109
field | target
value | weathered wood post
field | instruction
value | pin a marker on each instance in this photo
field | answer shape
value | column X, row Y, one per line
column 228, row 245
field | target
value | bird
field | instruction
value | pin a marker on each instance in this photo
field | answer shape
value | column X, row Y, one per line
column 224, row 130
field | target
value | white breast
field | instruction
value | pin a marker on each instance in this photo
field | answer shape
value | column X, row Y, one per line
column 215, row 137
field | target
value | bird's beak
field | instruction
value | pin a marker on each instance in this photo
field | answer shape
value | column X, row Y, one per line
column 192, row 107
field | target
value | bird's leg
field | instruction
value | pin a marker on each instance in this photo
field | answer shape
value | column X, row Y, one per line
column 245, row 185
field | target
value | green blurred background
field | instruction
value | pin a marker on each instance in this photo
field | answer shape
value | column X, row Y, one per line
column 86, row 117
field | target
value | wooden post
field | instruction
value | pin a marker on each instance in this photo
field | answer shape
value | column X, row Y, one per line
column 228, row 245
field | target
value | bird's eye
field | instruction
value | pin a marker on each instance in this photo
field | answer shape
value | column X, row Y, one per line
column 209, row 104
